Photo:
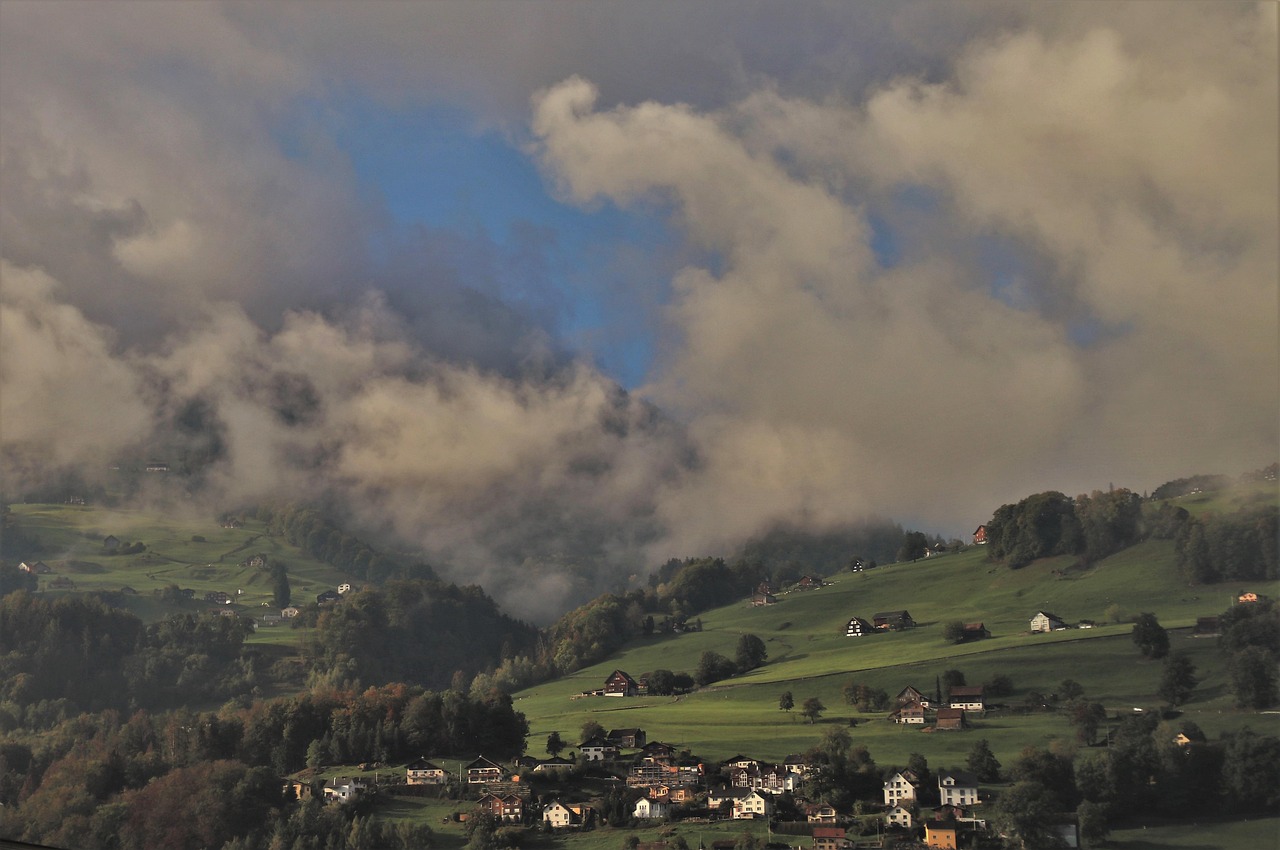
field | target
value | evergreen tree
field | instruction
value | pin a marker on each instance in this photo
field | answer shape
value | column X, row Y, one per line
column 1178, row 679
column 786, row 702
column 982, row 762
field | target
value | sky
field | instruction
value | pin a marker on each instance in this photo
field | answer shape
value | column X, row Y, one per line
column 555, row 291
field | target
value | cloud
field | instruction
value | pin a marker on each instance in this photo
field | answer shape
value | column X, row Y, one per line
column 1082, row 286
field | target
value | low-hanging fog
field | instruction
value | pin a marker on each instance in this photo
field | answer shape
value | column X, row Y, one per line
column 922, row 259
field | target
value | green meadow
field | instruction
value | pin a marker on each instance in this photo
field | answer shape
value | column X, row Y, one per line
column 70, row 540
column 810, row 657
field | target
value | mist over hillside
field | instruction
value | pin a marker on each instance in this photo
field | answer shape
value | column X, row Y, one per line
column 551, row 317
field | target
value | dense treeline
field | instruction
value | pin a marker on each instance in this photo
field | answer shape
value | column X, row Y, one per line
column 319, row 536
column 419, row 631
column 1240, row 546
column 212, row 780
column 787, row 553
column 1050, row 523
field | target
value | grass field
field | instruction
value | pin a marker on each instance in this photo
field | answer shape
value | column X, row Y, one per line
column 809, row 656
column 71, row 538
column 1251, row 834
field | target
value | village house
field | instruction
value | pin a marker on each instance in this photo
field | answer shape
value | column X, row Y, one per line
column 657, row 752
column 552, row 764
column 968, row 697
column 980, row 535
column 483, row 770
column 975, row 631
column 630, row 738
column 328, row 597
column 35, row 568
column 344, row 589
column 218, row 597
column 797, row 764
column 910, row 694
column 651, row 809
column 751, row 805
column 898, row 788
column 809, row 583
column 858, row 627
column 1043, row 621
column 299, row 789
column 911, row 714
column 289, row 613
column 957, row 788
column 900, row 816
column 343, row 790
column 892, row 620
column 942, row 834
column 597, row 749
column 422, row 772
column 819, row 813
column 508, row 808
column 829, row 838
column 619, row 684
column 759, row 599
column 559, row 816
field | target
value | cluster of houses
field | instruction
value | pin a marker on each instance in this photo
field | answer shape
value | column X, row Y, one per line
column 766, row 593
column 944, row 810
column 885, row 621
column 914, row 708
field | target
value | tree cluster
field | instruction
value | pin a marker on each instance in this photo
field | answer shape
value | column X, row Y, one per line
column 1092, row 526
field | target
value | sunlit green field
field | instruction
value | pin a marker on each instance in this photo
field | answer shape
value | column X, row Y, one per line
column 809, row 656
column 1251, row 834
column 71, row 544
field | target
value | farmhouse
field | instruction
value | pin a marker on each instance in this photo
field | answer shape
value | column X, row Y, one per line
column 111, row 543
column 968, row 697
column 910, row 694
column 911, row 714
column 759, row 599
column 980, row 535
column 619, row 684
column 950, row 718
column 36, row 568
column 630, row 738
column 892, row 620
column 975, row 631
column 1043, row 621
column 328, row 597
column 858, row 627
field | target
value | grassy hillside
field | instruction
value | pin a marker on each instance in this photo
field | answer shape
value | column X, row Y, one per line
column 809, row 655
column 70, row 542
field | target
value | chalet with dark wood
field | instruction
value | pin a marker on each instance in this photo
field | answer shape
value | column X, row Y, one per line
column 968, row 697
column 819, row 813
column 975, row 631
column 1207, row 627
column 483, row 770
column 950, row 719
column 35, row 568
column 619, row 684
column 633, row 738
column 328, row 597
column 892, row 620
column 911, row 714
column 858, row 627
column 809, row 583
column 111, row 543
column 657, row 752
column 980, row 535
column 422, row 772
column 910, row 694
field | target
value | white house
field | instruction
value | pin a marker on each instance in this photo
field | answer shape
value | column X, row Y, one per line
column 1043, row 621
column 646, row 808
column 343, row 790
column 957, row 788
column 897, row 789
column 899, row 816
column 752, row 805
column 423, row 772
